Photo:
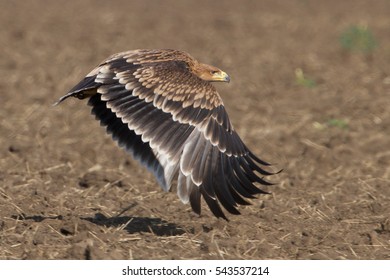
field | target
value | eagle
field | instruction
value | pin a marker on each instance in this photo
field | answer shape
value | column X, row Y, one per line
column 161, row 107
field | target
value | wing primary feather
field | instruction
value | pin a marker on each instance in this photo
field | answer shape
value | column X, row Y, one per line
column 206, row 170
column 254, row 166
column 213, row 204
column 194, row 196
column 235, row 182
column 210, row 170
column 195, row 161
column 255, row 158
column 226, row 204
column 222, row 178
column 237, row 198
column 243, row 177
column 251, row 175
column 222, row 190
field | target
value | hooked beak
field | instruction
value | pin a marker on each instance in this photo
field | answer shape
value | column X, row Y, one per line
column 221, row 77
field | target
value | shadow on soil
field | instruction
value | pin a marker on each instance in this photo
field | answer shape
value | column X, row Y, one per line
column 36, row 218
column 132, row 225
column 138, row 224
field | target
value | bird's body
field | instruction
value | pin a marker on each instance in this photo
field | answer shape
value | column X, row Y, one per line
column 161, row 107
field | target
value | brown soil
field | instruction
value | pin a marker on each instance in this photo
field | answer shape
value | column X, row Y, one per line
column 68, row 192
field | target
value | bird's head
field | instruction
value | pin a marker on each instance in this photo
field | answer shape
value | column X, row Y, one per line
column 210, row 73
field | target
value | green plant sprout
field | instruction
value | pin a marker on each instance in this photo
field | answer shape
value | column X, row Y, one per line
column 358, row 38
column 300, row 79
column 339, row 123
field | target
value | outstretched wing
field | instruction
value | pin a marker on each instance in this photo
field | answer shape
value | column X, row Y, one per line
column 176, row 125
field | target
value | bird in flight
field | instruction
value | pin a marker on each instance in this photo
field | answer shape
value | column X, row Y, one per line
column 160, row 106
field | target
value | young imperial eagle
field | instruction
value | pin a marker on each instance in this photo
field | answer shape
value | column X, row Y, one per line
column 160, row 106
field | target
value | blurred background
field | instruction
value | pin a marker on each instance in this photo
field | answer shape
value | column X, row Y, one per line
column 310, row 93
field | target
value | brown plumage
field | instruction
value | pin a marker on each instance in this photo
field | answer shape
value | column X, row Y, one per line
column 160, row 106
